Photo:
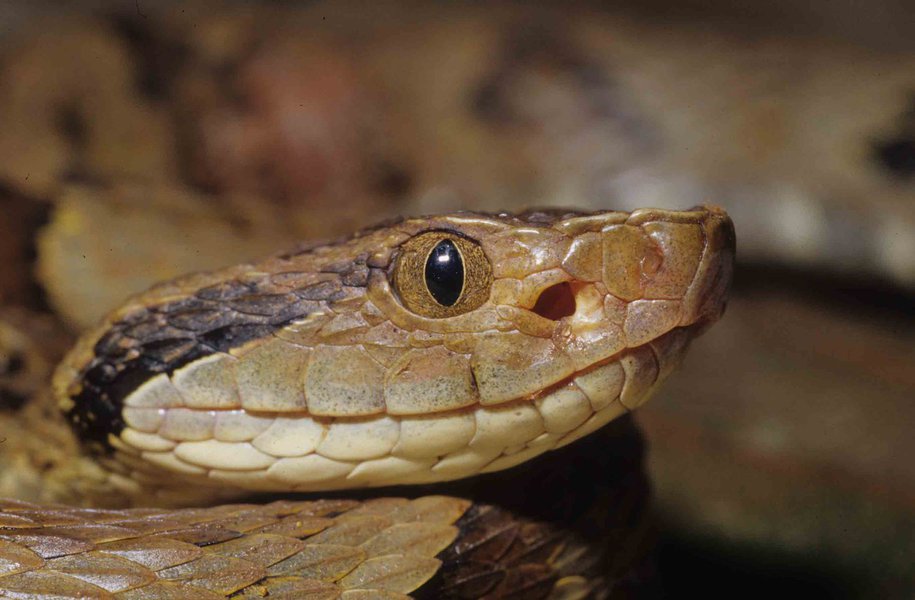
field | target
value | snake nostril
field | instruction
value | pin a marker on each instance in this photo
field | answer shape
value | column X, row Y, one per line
column 556, row 302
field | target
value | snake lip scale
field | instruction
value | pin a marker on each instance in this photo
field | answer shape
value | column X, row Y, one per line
column 342, row 365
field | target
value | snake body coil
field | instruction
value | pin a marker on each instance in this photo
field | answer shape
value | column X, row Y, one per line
column 418, row 352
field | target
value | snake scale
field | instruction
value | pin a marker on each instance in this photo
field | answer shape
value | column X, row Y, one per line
column 447, row 352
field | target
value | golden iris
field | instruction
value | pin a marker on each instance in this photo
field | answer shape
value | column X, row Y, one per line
column 442, row 274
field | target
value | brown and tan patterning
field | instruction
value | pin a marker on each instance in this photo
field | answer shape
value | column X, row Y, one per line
column 345, row 365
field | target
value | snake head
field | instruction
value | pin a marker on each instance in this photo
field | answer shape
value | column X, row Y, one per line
column 418, row 351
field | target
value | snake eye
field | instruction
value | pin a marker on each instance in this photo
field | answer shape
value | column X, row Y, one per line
column 440, row 274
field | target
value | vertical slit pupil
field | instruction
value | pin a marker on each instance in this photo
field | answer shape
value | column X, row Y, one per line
column 445, row 273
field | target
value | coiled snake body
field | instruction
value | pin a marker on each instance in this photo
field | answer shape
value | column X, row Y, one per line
column 421, row 352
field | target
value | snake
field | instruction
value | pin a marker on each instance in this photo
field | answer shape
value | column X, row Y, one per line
column 434, row 407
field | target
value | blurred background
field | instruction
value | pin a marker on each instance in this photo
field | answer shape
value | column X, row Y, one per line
column 140, row 140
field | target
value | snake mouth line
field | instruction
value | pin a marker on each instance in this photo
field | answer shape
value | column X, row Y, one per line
column 616, row 379
column 550, row 388
column 383, row 450
column 647, row 350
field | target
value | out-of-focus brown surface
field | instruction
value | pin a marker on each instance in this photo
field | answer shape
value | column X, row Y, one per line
column 101, row 245
column 795, row 440
column 197, row 137
column 355, row 113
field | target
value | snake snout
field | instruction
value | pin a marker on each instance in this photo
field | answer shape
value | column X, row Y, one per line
column 706, row 297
